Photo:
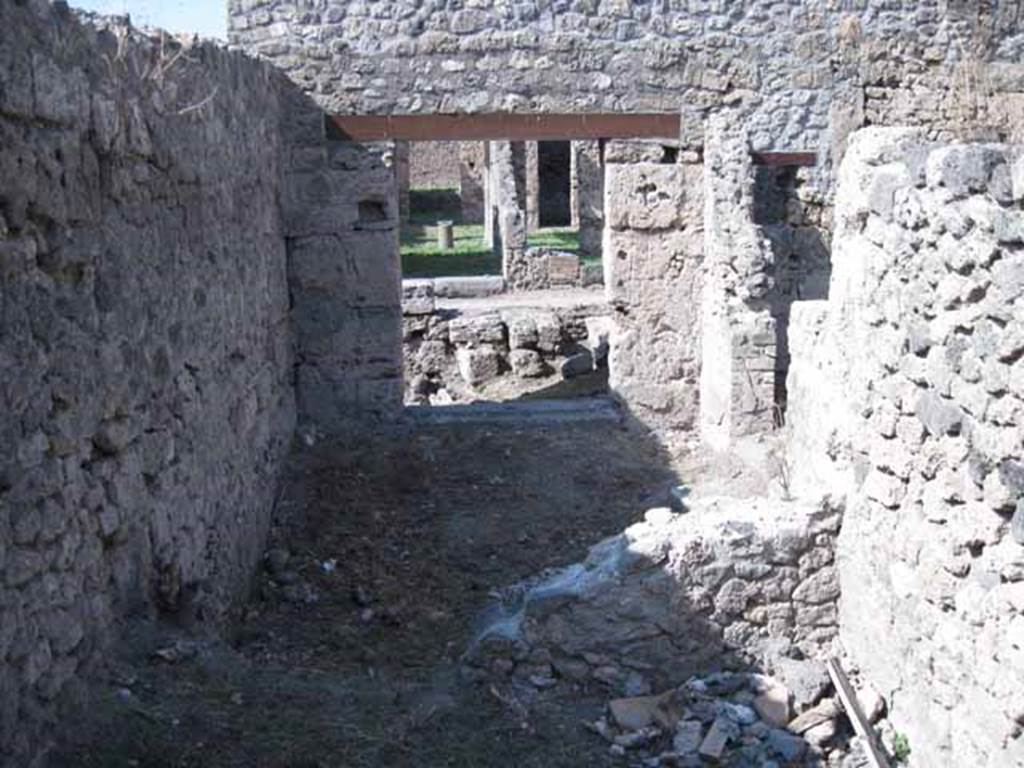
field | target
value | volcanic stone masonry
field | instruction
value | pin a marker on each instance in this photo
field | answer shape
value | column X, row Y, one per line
column 145, row 357
column 908, row 397
column 190, row 268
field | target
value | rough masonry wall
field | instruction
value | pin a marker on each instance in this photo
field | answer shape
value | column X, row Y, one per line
column 739, row 343
column 341, row 218
column 652, row 256
column 145, row 349
column 911, row 384
column 434, row 164
column 796, row 69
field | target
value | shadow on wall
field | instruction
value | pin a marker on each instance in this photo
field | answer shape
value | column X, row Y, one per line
column 342, row 223
column 796, row 226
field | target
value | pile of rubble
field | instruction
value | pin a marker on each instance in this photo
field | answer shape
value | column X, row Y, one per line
column 740, row 719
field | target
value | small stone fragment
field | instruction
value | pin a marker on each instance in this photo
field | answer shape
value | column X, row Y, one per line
column 718, row 736
column 638, row 712
column 787, row 746
column 827, row 710
column 773, row 705
column 688, row 736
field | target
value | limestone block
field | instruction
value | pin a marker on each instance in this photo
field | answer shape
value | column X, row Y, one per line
column 432, row 357
column 417, row 297
column 644, row 196
column 527, row 363
column 522, row 330
column 478, row 365
column 475, row 330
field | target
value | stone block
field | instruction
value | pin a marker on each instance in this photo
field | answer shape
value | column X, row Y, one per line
column 473, row 330
column 939, row 416
column 432, row 357
column 527, row 363
column 522, row 330
column 646, row 196
column 478, row 365
column 468, row 287
column 563, row 269
column 577, row 365
column 417, row 297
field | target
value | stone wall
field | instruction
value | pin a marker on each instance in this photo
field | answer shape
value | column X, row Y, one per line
column 344, row 274
column 910, row 381
column 434, row 164
column 652, row 254
column 478, row 353
column 797, row 70
column 739, row 343
column 732, row 583
column 146, row 355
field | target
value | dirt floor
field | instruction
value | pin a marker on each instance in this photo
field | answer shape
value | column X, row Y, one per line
column 383, row 556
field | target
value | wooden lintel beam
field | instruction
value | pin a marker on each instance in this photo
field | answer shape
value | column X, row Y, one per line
column 518, row 126
column 779, row 159
column 503, row 126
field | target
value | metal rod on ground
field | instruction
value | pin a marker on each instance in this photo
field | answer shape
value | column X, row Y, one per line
column 852, row 707
column 445, row 235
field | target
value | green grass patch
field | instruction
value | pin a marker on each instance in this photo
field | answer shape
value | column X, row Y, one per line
column 558, row 238
column 422, row 258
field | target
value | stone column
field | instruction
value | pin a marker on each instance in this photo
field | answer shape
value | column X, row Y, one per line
column 532, row 186
column 574, row 185
column 739, row 348
column 402, row 175
column 588, row 185
column 508, row 194
column 490, row 213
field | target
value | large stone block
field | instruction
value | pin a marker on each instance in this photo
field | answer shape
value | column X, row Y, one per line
column 478, row 365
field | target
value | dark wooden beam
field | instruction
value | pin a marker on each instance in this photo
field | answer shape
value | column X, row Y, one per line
column 518, row 126
column 778, row 159
column 497, row 126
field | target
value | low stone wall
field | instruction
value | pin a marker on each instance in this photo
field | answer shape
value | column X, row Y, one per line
column 912, row 382
column 733, row 583
column 538, row 269
column 460, row 356
column 146, row 354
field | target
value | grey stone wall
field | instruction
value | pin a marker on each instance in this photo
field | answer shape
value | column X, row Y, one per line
column 739, row 342
column 796, row 70
column 341, row 214
column 911, row 384
column 145, row 349
column 652, row 254
column 732, row 582
column 434, row 164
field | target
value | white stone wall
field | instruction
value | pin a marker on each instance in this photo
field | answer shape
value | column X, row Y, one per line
column 912, row 387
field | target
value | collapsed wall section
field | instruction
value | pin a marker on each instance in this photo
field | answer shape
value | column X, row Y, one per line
column 145, row 348
column 911, row 384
